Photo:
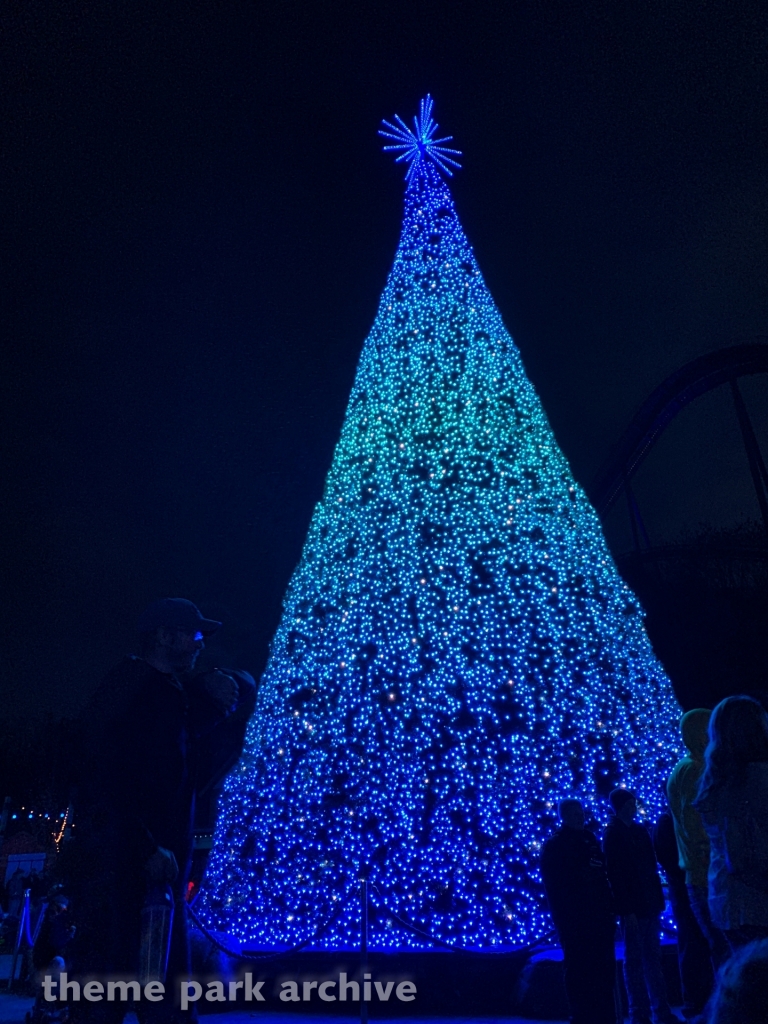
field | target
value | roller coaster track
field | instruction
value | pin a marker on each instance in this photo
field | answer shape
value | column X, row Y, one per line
column 725, row 366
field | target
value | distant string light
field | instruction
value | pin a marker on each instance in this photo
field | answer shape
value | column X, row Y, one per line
column 58, row 836
column 457, row 648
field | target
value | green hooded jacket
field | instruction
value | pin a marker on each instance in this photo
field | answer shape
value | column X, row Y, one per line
column 683, row 785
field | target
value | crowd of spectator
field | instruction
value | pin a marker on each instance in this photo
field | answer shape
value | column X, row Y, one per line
column 712, row 845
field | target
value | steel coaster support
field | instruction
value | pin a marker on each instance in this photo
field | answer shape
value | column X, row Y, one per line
column 639, row 533
column 752, row 448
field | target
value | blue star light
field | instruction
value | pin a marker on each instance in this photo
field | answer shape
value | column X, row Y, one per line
column 418, row 144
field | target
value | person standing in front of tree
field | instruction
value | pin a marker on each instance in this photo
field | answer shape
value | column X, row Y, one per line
column 733, row 801
column 576, row 883
column 634, row 878
column 153, row 737
column 690, row 834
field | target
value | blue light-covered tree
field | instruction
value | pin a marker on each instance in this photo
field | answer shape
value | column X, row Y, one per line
column 457, row 648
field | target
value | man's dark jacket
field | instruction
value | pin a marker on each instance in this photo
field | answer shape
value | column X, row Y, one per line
column 632, row 872
column 148, row 744
column 668, row 855
column 575, row 881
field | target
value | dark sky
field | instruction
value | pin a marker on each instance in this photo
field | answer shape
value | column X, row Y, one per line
column 198, row 221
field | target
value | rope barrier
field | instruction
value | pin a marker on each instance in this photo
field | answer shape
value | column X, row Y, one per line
column 257, row 958
column 451, row 946
column 407, row 925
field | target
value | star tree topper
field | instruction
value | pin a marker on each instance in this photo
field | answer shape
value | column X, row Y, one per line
column 418, row 145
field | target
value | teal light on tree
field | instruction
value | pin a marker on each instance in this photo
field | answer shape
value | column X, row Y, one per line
column 457, row 649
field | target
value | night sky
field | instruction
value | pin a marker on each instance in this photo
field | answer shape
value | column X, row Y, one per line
column 198, row 221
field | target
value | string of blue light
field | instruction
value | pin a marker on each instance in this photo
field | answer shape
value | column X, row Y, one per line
column 457, row 648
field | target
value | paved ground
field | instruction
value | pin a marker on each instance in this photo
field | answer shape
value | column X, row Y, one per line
column 13, row 1008
column 295, row 1018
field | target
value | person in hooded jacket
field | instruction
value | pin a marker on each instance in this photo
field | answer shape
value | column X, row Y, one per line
column 697, row 977
column 576, row 884
column 690, row 834
column 733, row 801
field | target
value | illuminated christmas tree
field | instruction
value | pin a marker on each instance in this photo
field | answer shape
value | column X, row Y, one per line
column 457, row 649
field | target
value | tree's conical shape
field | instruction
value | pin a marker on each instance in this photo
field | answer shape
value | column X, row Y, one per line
column 457, row 649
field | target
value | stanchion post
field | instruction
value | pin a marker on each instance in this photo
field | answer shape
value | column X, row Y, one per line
column 363, row 943
column 19, row 937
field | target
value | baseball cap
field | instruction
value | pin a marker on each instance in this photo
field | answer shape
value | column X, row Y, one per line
column 176, row 612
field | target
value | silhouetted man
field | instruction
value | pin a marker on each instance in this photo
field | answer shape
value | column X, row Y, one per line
column 152, row 737
column 639, row 900
column 576, row 883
